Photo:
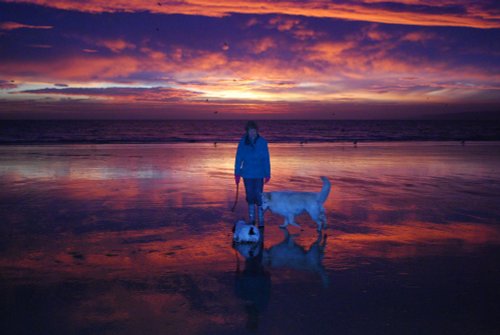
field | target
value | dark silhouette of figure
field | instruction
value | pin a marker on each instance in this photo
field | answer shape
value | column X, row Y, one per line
column 253, row 283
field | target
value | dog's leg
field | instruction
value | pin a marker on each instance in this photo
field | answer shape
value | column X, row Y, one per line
column 315, row 214
column 291, row 220
column 322, row 217
column 285, row 223
column 319, row 222
column 323, row 244
column 318, row 215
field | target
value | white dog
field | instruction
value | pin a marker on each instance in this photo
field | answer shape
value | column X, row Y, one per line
column 245, row 233
column 290, row 203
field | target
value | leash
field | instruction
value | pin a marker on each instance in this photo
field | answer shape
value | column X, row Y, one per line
column 236, row 200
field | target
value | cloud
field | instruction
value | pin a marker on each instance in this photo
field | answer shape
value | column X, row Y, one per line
column 7, row 84
column 419, row 37
column 377, row 35
column 477, row 14
column 322, row 71
column 121, row 94
column 252, row 22
column 370, row 64
column 283, row 23
column 85, row 68
column 261, row 45
column 297, row 27
column 117, row 45
column 16, row 25
column 329, row 52
column 302, row 33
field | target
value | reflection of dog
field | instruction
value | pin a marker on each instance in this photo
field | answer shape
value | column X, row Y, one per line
column 285, row 255
column 289, row 204
column 290, row 255
column 245, row 233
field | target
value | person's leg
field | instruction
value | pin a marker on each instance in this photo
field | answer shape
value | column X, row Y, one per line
column 250, row 197
column 260, row 189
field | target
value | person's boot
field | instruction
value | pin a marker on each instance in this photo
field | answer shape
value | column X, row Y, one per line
column 261, row 217
column 251, row 213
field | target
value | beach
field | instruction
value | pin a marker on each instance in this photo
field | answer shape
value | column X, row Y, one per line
column 136, row 238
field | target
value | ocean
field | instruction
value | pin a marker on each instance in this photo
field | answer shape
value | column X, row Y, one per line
column 210, row 131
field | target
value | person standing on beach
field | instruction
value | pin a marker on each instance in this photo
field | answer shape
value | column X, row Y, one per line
column 253, row 164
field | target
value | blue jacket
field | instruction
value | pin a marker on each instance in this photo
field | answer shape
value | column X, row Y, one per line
column 252, row 159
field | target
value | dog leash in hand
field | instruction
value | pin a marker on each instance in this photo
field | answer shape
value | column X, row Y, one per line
column 236, row 200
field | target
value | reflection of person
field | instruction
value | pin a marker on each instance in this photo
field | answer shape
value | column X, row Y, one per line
column 253, row 164
column 253, row 286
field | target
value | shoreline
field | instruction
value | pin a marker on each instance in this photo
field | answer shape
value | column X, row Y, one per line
column 271, row 143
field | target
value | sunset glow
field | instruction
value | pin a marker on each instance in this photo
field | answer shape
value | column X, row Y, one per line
column 188, row 59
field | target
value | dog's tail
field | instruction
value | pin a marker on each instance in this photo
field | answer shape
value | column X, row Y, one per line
column 325, row 191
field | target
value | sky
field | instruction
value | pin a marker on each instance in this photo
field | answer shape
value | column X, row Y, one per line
column 205, row 59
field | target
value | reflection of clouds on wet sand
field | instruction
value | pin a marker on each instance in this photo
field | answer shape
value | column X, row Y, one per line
column 96, row 197
column 158, row 305
column 125, row 254
column 408, row 240
column 142, row 253
column 138, row 236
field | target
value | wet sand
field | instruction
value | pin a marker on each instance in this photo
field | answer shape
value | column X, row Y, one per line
column 135, row 239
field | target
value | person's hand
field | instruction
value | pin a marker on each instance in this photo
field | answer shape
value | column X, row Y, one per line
column 237, row 179
column 266, row 180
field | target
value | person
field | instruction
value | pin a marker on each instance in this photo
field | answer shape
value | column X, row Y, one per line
column 252, row 162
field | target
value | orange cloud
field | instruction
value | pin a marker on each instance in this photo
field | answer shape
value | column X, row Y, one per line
column 116, row 45
column 378, row 35
column 319, row 71
column 329, row 51
column 283, row 23
column 418, row 37
column 153, row 94
column 303, row 33
column 295, row 26
column 473, row 14
column 16, row 25
column 262, row 45
column 73, row 69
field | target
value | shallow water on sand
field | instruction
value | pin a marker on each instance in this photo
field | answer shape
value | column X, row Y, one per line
column 135, row 239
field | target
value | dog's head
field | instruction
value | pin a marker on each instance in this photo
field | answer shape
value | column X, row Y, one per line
column 266, row 200
column 245, row 233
